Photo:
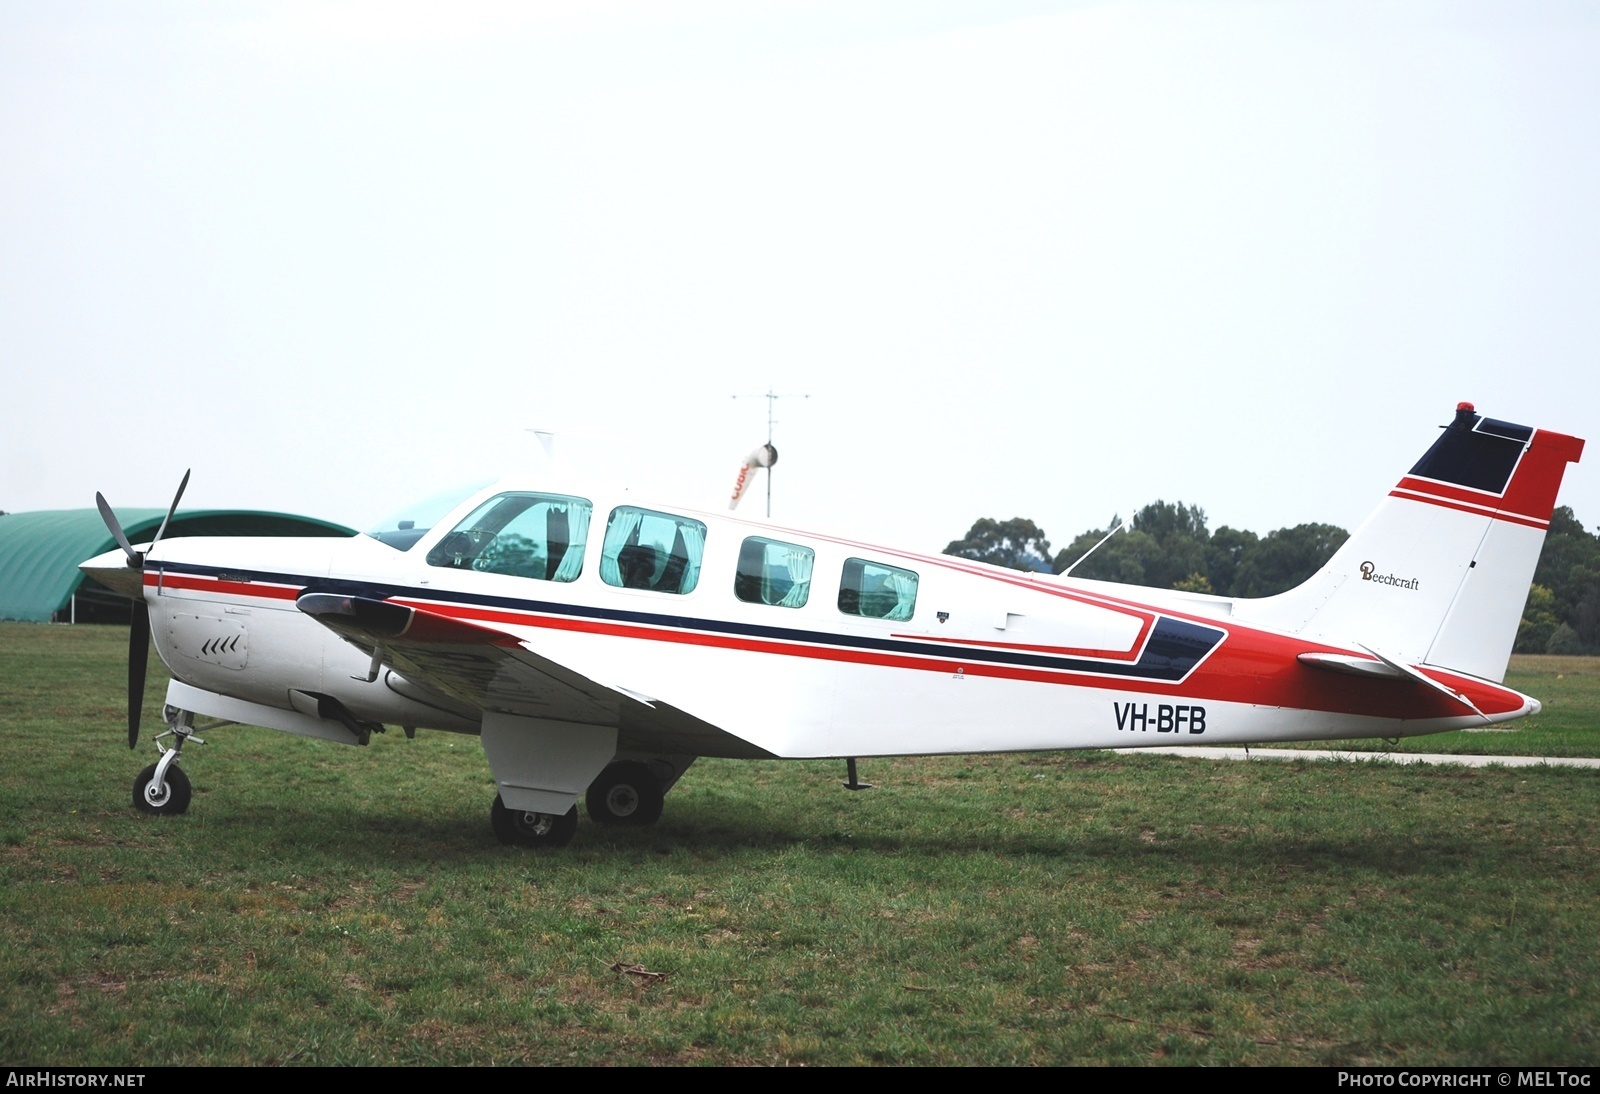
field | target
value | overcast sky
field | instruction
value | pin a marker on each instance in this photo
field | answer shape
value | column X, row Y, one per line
column 1034, row 258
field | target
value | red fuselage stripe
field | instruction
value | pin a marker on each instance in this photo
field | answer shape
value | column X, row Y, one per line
column 219, row 585
column 1256, row 672
column 1252, row 667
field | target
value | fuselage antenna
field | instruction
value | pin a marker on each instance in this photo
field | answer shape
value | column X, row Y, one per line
column 1120, row 525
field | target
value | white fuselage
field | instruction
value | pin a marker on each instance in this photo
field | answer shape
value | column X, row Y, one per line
column 990, row 660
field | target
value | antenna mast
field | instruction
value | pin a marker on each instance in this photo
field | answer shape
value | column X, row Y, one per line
column 1120, row 525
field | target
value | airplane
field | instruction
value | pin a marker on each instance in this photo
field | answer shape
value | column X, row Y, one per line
column 598, row 647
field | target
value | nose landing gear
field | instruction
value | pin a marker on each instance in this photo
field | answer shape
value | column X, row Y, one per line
column 162, row 788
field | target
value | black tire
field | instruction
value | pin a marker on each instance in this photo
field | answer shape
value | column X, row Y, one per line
column 170, row 804
column 626, row 793
column 515, row 828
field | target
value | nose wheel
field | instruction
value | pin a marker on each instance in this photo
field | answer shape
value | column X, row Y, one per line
column 162, row 789
column 166, row 796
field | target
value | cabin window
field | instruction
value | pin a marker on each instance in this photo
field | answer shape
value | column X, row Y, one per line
column 541, row 536
column 774, row 573
column 644, row 549
column 877, row 591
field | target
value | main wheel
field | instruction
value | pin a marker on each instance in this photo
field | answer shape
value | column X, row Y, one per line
column 625, row 793
column 516, row 828
column 169, row 799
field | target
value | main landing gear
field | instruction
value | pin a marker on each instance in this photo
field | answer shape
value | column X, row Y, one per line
column 162, row 788
column 627, row 793
column 516, row 828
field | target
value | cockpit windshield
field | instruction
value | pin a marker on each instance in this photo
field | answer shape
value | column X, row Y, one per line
column 402, row 529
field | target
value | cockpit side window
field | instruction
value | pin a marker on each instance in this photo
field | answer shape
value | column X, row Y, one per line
column 541, row 536
column 876, row 591
column 771, row 572
column 644, row 549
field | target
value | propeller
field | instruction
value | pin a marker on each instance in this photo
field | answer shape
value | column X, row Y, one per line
column 117, row 533
column 139, row 628
column 138, row 659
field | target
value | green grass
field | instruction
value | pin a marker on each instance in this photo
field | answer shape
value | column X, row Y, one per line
column 323, row 904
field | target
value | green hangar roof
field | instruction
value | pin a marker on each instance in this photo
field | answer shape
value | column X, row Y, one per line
column 40, row 552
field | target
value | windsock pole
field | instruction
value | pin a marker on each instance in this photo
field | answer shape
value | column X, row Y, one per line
column 771, row 397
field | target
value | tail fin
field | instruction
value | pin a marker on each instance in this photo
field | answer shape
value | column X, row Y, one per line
column 1440, row 572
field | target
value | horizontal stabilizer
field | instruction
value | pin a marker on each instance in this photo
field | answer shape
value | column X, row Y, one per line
column 1351, row 665
column 1386, row 668
column 1423, row 678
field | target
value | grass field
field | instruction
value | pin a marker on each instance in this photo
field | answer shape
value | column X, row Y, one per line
column 323, row 904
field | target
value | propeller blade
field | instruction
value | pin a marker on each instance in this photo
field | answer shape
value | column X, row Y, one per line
column 173, row 508
column 116, row 529
column 138, row 657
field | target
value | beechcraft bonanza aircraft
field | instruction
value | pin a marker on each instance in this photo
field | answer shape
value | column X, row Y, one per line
column 598, row 647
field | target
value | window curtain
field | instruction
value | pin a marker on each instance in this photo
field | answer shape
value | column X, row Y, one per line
column 694, row 545
column 798, row 561
column 623, row 527
column 577, row 536
column 905, row 591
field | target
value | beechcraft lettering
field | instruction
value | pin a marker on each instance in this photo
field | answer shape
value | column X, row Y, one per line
column 1367, row 574
column 597, row 647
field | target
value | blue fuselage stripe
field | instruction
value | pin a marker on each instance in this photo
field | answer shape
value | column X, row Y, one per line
column 1173, row 648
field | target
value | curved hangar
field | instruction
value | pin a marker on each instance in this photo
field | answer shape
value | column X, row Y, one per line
column 39, row 554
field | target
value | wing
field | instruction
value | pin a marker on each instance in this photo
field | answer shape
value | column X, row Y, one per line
column 490, row 670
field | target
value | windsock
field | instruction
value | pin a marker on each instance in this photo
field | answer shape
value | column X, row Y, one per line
column 765, row 456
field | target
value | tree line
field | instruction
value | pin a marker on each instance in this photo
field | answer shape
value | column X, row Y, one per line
column 1167, row 545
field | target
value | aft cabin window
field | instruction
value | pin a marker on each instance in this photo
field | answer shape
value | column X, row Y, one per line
column 774, row 573
column 644, row 549
column 877, row 591
column 541, row 536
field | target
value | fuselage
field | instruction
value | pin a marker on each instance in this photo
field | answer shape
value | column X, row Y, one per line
column 958, row 657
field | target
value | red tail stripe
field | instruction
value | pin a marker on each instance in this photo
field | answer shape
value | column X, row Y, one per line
column 1530, row 496
column 1451, row 492
column 1537, row 481
column 1475, row 510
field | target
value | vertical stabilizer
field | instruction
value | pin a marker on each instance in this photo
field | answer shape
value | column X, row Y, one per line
column 1440, row 572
